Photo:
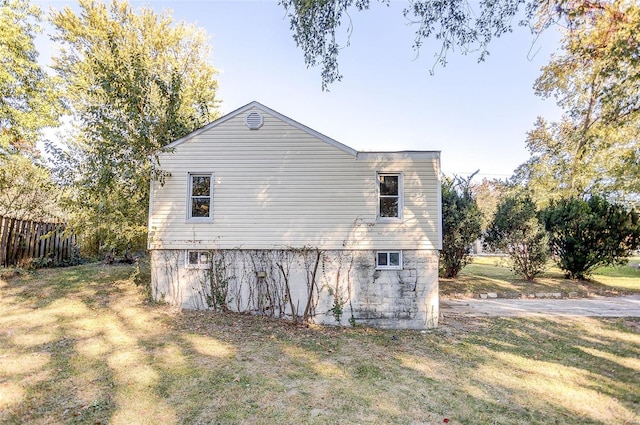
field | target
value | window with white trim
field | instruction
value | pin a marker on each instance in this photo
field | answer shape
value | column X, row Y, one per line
column 200, row 197
column 197, row 259
column 389, row 196
column 389, row 260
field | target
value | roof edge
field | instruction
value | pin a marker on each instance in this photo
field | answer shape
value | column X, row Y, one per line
column 399, row 155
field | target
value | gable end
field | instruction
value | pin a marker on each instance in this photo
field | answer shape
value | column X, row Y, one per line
column 261, row 107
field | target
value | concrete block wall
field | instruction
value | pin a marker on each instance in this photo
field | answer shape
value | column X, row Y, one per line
column 347, row 288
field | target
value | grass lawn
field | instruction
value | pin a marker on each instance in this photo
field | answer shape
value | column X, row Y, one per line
column 81, row 346
column 492, row 274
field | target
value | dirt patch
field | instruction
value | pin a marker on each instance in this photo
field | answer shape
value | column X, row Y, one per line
column 632, row 324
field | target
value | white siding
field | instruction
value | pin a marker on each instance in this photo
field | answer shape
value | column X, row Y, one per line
column 282, row 187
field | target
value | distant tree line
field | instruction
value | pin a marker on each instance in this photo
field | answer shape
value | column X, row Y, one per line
column 580, row 233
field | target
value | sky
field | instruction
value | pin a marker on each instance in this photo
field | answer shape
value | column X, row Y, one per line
column 476, row 114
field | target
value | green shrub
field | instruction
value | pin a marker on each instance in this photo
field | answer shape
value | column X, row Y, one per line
column 461, row 225
column 517, row 231
column 586, row 234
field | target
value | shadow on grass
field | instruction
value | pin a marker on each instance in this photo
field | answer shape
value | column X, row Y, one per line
column 81, row 346
column 578, row 365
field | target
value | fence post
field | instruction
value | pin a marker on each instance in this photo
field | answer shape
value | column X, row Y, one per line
column 13, row 240
column 4, row 236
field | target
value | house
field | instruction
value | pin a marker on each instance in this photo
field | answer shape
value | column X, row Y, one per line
column 259, row 213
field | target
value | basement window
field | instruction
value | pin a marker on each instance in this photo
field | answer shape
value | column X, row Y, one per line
column 197, row 259
column 389, row 260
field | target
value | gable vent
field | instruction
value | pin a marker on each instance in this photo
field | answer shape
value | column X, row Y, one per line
column 254, row 121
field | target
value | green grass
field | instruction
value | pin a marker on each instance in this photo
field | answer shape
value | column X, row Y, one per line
column 81, row 346
column 492, row 274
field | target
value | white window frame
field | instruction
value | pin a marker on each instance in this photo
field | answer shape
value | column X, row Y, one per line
column 203, row 256
column 190, row 177
column 400, row 197
column 389, row 266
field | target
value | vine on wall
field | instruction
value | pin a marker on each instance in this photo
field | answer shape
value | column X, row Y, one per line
column 339, row 289
column 301, row 284
column 218, row 284
column 263, row 282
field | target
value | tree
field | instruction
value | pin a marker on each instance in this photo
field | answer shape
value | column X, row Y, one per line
column 586, row 234
column 487, row 195
column 549, row 173
column 28, row 102
column 136, row 82
column 516, row 230
column 461, row 225
column 27, row 191
column 316, row 24
column 596, row 80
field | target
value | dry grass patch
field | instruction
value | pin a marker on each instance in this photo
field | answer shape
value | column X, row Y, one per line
column 91, row 350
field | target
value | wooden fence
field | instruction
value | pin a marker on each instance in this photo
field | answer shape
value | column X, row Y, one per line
column 21, row 240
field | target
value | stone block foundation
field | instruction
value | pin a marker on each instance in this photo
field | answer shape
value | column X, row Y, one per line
column 334, row 287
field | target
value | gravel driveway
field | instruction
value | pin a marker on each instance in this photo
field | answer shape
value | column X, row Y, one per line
column 628, row 306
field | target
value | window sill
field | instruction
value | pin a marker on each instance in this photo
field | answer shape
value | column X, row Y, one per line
column 389, row 220
column 200, row 220
column 196, row 267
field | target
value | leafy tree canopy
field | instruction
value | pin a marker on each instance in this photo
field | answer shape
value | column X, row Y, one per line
column 316, row 24
column 135, row 81
column 27, row 191
column 597, row 77
column 27, row 98
column 596, row 80
column 488, row 194
column 28, row 104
